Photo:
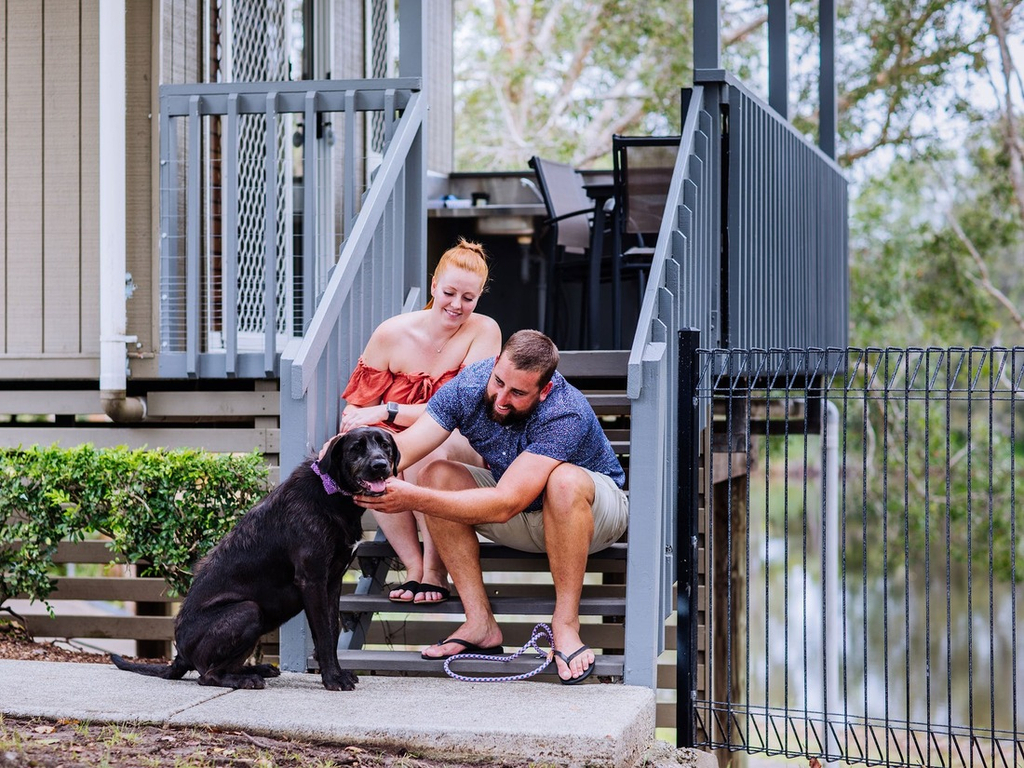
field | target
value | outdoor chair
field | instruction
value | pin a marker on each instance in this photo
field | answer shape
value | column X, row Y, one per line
column 565, row 240
column 642, row 171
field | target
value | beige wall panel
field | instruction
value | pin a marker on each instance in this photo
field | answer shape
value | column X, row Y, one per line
column 24, row 178
column 61, row 160
column 4, row 304
column 89, row 83
column 139, row 169
column 33, row 366
column 181, row 54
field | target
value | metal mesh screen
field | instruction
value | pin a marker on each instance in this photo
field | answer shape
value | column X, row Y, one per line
column 258, row 51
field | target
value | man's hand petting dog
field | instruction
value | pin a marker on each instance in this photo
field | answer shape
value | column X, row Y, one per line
column 285, row 555
column 398, row 496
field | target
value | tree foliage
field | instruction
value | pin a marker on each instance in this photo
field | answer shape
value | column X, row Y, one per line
column 929, row 132
column 559, row 77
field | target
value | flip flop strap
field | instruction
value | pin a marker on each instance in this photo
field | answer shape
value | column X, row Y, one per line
column 540, row 632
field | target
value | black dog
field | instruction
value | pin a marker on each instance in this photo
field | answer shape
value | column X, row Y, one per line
column 287, row 554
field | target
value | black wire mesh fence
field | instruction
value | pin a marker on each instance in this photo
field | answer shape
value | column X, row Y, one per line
column 859, row 562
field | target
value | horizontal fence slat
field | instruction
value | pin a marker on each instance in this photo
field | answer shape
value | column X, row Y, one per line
column 108, row 627
column 228, row 440
column 104, row 588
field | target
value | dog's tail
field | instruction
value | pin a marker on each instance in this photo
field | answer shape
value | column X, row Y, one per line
column 173, row 671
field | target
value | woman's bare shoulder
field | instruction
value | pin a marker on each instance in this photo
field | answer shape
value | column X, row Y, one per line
column 484, row 325
column 486, row 339
column 391, row 335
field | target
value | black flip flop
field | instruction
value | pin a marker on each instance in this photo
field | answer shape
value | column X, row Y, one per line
column 423, row 588
column 587, row 673
column 467, row 647
column 409, row 586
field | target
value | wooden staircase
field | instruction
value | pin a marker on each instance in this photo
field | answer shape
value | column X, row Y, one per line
column 384, row 637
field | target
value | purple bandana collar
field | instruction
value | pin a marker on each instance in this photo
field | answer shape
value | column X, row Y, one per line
column 330, row 487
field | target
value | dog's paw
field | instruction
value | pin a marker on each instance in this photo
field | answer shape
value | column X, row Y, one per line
column 343, row 680
column 266, row 670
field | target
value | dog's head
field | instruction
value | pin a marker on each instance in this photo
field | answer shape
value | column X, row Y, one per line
column 360, row 460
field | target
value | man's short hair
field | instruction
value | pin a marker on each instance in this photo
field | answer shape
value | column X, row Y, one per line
column 532, row 351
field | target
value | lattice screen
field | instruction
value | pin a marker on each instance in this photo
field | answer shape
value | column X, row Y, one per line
column 256, row 48
column 381, row 24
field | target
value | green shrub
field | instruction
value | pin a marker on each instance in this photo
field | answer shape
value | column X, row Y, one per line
column 165, row 508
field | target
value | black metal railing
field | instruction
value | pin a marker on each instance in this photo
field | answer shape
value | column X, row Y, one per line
column 859, row 556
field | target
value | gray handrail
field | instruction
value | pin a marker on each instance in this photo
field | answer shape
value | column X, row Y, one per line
column 651, row 387
column 650, row 324
column 367, row 285
column 310, row 351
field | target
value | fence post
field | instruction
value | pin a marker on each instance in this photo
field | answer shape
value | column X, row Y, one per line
column 687, row 504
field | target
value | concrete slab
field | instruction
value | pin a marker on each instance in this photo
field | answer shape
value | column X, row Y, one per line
column 591, row 725
column 582, row 725
column 96, row 692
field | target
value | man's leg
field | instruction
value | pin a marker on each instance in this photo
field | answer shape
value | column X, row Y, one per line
column 568, row 531
column 460, row 551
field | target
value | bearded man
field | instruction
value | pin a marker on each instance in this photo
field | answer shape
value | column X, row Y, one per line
column 551, row 484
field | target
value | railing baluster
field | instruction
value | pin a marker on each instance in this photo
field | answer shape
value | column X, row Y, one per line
column 310, row 209
column 270, row 193
column 351, row 166
column 193, row 228
column 229, row 235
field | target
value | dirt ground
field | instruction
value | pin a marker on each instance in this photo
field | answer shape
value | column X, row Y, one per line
column 26, row 743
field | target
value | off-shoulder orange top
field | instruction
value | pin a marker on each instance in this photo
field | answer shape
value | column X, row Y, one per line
column 372, row 385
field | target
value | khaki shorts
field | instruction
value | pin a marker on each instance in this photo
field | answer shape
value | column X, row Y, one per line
column 525, row 531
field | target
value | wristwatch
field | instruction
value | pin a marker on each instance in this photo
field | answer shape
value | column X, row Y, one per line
column 392, row 412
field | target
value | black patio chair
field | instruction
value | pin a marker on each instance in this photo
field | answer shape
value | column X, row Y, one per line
column 642, row 169
column 565, row 239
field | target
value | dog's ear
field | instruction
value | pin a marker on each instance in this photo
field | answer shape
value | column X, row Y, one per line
column 327, row 461
column 395, row 453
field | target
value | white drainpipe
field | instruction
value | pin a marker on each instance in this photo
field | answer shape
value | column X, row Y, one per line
column 114, row 278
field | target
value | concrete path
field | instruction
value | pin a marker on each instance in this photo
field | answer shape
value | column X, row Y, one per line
column 547, row 723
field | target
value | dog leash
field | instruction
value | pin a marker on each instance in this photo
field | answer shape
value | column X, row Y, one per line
column 540, row 632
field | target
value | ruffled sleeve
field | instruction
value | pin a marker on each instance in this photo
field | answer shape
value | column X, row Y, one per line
column 367, row 385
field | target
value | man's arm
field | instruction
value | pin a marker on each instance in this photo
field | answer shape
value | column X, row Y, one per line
column 423, row 436
column 524, row 480
column 415, row 442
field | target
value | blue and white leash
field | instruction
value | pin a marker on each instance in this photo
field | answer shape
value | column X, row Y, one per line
column 540, row 632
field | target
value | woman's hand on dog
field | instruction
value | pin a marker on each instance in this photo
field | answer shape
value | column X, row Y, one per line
column 353, row 417
column 399, row 496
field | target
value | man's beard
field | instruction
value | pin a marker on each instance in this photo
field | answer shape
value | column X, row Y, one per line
column 509, row 419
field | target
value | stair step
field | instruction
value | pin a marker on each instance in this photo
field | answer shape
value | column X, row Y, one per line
column 492, row 551
column 529, row 606
column 609, row 665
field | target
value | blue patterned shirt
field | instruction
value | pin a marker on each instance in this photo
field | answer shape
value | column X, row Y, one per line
column 563, row 427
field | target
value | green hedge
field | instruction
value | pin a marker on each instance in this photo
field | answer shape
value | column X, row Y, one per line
column 163, row 507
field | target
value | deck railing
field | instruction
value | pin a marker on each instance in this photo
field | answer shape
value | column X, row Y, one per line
column 752, row 248
column 260, row 187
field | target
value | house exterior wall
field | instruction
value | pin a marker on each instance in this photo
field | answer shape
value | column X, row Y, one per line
column 49, row 261
column 49, row 171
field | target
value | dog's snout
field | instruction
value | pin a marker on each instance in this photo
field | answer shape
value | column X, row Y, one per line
column 381, row 465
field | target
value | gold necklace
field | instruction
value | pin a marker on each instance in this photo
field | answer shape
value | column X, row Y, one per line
column 445, row 344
